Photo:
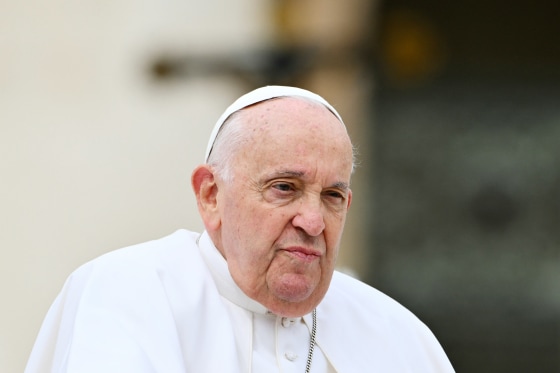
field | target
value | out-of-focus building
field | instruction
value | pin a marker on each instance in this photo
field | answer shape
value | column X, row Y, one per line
column 105, row 109
column 96, row 152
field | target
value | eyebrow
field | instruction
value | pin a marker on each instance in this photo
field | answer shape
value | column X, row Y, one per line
column 341, row 185
column 288, row 173
column 299, row 174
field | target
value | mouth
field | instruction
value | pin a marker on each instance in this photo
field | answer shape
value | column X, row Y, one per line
column 302, row 253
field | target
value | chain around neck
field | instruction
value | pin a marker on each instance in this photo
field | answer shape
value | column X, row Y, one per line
column 311, row 342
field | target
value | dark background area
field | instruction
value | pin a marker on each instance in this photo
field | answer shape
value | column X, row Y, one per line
column 467, row 176
column 464, row 120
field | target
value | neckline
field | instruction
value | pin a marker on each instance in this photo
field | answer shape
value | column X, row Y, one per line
column 229, row 289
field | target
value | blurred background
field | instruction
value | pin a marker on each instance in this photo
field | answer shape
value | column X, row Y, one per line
column 105, row 108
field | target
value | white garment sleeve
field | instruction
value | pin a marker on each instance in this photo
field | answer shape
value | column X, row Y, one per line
column 147, row 308
column 84, row 333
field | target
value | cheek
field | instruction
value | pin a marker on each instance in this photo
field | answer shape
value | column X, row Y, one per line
column 334, row 223
column 333, row 234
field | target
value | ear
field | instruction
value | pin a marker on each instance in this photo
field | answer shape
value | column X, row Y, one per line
column 206, row 191
column 349, row 200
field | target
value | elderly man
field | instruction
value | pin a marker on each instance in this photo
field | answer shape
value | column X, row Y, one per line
column 257, row 291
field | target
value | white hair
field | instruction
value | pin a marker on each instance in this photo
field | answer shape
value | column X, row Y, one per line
column 227, row 143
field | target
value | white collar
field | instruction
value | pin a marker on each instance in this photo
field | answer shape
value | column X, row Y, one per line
column 224, row 282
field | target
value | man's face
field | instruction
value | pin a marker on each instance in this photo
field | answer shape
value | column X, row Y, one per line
column 283, row 212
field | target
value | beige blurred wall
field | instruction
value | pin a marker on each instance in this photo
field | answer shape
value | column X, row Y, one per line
column 94, row 156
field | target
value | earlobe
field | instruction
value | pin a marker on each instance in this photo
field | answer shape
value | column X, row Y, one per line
column 206, row 191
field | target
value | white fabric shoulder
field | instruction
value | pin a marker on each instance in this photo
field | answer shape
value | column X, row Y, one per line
column 144, row 308
column 154, row 307
column 384, row 335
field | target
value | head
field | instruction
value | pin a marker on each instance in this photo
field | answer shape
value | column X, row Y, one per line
column 274, row 196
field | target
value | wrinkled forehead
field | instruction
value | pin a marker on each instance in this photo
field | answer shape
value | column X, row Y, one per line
column 263, row 94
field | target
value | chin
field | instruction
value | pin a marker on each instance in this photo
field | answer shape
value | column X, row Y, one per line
column 295, row 306
column 294, row 288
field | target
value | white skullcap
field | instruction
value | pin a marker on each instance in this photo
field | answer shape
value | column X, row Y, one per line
column 259, row 95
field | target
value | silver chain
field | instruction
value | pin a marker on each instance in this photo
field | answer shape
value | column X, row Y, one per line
column 311, row 342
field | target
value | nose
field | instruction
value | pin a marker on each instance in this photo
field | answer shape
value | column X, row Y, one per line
column 309, row 217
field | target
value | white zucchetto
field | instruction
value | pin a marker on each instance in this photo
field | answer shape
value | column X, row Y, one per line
column 259, row 95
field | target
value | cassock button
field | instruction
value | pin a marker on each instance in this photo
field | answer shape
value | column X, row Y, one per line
column 287, row 322
column 290, row 355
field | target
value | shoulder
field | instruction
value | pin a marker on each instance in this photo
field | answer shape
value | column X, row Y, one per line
column 175, row 243
column 364, row 301
column 146, row 264
column 357, row 292
column 383, row 335
column 128, row 301
column 378, row 320
column 138, row 278
column 150, row 254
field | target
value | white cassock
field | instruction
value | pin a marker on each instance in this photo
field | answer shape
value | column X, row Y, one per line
column 171, row 306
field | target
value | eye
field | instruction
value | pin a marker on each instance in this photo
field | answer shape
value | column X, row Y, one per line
column 280, row 191
column 283, row 187
column 335, row 196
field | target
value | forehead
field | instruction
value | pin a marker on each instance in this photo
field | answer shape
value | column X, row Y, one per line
column 294, row 133
column 289, row 116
